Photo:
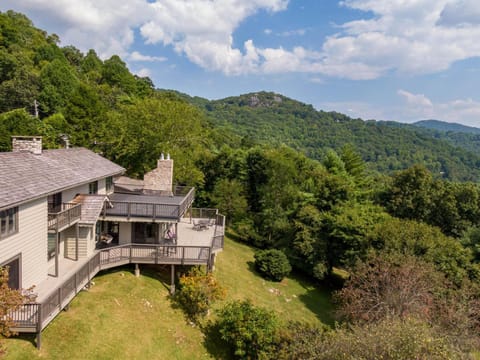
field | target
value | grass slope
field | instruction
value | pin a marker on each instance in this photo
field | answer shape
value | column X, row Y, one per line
column 124, row 317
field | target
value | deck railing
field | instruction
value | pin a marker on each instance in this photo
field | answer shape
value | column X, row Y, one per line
column 219, row 235
column 202, row 213
column 35, row 317
column 187, row 200
column 69, row 214
column 152, row 210
column 144, row 210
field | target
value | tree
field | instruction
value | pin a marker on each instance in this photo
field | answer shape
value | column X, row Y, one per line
column 198, row 291
column 386, row 286
column 16, row 122
column 138, row 133
column 273, row 264
column 353, row 163
column 410, row 195
column 250, row 331
column 228, row 197
column 391, row 338
column 409, row 237
column 116, row 73
column 10, row 300
column 58, row 81
column 347, row 228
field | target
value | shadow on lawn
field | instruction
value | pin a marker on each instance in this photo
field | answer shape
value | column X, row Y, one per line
column 318, row 297
column 213, row 343
column 29, row 338
column 158, row 272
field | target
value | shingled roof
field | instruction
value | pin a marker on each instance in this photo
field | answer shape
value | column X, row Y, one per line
column 25, row 176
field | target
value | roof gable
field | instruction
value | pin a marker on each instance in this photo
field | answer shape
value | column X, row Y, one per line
column 25, row 176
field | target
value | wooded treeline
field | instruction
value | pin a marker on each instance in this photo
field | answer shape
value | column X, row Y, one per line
column 319, row 186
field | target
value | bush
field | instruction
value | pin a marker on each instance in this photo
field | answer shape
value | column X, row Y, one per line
column 273, row 264
column 389, row 339
column 10, row 300
column 197, row 292
column 251, row 332
column 300, row 340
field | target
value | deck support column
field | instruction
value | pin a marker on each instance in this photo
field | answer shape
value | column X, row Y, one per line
column 77, row 235
column 137, row 270
column 176, row 233
column 211, row 263
column 39, row 326
column 57, row 251
column 172, row 280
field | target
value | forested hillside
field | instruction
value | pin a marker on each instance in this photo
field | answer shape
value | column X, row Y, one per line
column 274, row 119
column 445, row 126
column 287, row 177
column 50, row 90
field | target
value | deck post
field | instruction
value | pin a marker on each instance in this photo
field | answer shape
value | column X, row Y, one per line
column 39, row 327
column 39, row 339
column 57, row 246
column 172, row 280
column 137, row 270
column 211, row 263
column 77, row 233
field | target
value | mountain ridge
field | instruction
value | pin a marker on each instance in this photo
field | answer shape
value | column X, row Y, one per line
column 446, row 126
column 272, row 118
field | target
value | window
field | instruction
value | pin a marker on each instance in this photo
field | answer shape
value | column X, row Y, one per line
column 8, row 222
column 109, row 184
column 55, row 203
column 93, row 187
column 13, row 272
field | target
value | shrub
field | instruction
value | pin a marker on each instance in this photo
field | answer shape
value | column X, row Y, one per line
column 389, row 285
column 197, row 292
column 251, row 332
column 392, row 338
column 273, row 264
column 300, row 340
column 10, row 299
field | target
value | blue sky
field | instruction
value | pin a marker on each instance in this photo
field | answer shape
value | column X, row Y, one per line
column 374, row 59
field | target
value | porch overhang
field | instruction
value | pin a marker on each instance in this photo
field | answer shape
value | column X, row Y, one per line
column 151, row 208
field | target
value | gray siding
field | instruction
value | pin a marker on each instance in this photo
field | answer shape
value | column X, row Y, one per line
column 125, row 233
column 30, row 241
column 102, row 187
column 69, row 194
column 84, row 242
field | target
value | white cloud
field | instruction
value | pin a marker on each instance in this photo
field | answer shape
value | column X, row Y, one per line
column 460, row 13
column 106, row 25
column 411, row 37
column 415, row 99
column 136, row 56
column 403, row 36
column 354, row 109
column 144, row 72
column 419, row 106
column 296, row 32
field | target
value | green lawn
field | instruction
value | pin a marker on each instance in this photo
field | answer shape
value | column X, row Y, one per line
column 124, row 317
column 294, row 298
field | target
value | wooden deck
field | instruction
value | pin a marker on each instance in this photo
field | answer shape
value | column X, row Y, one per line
column 194, row 247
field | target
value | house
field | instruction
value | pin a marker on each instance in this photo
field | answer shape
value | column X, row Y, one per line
column 66, row 214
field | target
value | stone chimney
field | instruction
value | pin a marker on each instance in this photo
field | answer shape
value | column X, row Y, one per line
column 32, row 144
column 160, row 180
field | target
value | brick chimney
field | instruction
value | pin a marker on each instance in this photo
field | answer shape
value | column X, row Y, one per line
column 32, row 144
column 160, row 180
